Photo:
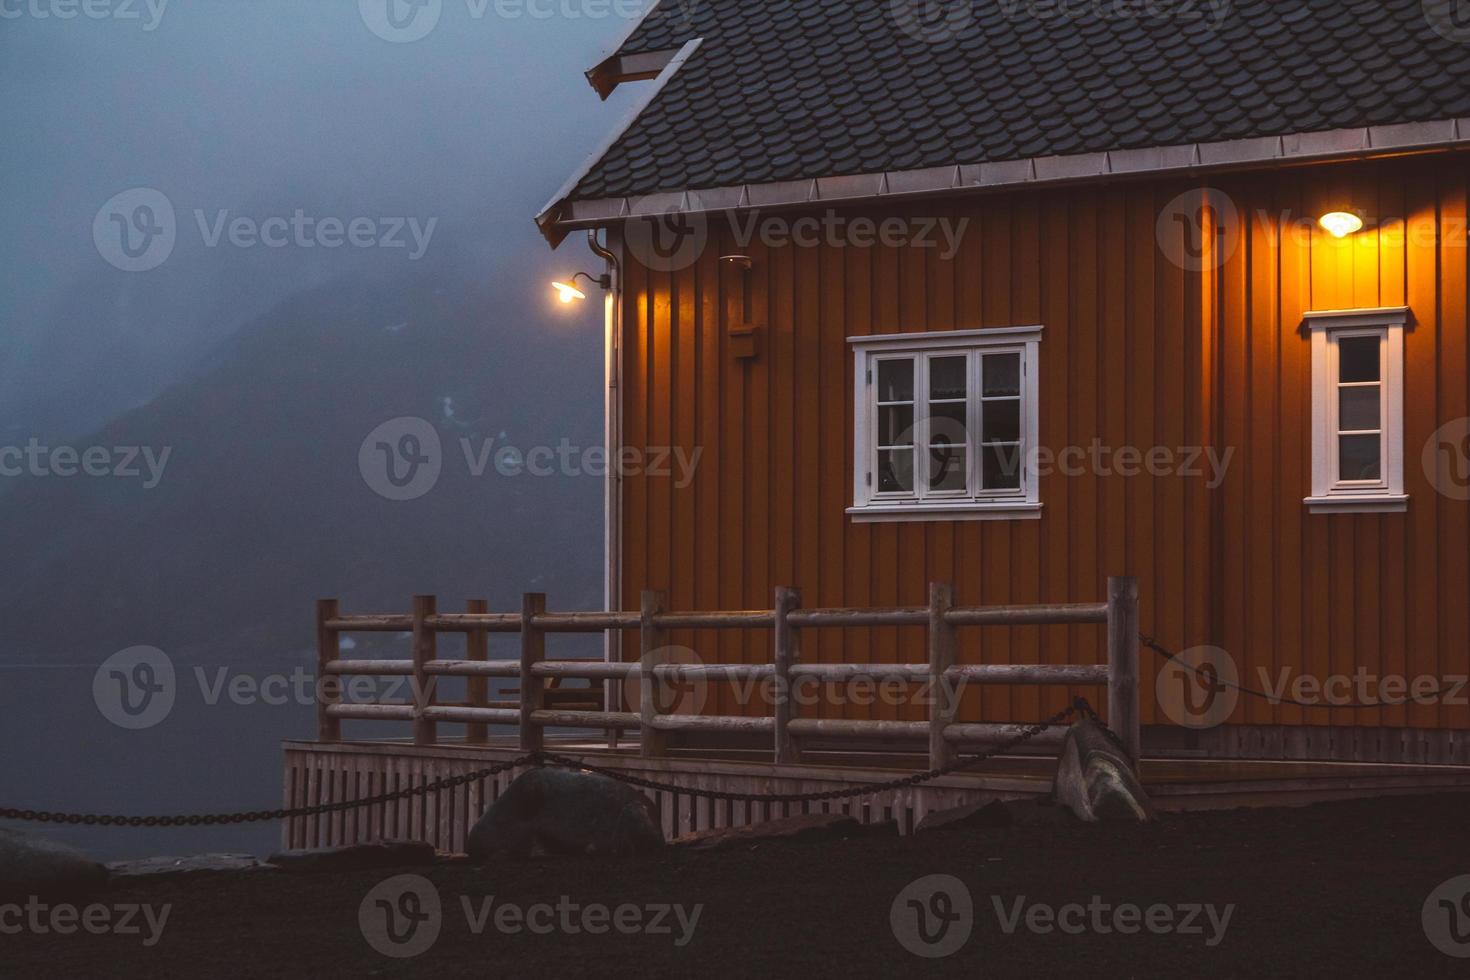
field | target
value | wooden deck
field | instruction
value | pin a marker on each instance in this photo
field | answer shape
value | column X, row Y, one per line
column 324, row 772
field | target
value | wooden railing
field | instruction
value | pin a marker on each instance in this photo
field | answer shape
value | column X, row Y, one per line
column 536, row 708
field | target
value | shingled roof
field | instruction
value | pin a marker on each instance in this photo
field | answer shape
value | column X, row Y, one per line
column 783, row 90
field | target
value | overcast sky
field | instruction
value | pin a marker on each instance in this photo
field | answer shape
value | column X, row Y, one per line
column 257, row 108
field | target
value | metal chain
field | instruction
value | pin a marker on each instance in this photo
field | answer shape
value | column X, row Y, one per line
column 1167, row 654
column 256, row 816
column 1080, row 705
column 866, row 789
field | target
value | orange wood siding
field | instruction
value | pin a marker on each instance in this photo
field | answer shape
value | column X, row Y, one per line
column 1136, row 352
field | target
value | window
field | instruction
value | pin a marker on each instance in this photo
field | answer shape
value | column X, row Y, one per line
column 1357, row 410
column 945, row 425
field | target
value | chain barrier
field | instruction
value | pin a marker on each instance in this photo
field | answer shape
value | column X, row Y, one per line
column 1079, row 706
column 1277, row 699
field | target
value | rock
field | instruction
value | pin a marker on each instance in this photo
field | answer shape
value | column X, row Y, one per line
column 1095, row 778
column 196, row 864
column 986, row 813
column 558, row 811
column 355, row 857
column 804, row 827
column 50, row 871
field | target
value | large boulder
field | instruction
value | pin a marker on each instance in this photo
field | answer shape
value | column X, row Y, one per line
column 1095, row 778
column 34, row 866
column 558, row 811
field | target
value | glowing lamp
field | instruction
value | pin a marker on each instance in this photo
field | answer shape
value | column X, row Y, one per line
column 567, row 292
column 1340, row 224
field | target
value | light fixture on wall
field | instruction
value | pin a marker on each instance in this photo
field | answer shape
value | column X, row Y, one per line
column 1340, row 224
column 568, row 291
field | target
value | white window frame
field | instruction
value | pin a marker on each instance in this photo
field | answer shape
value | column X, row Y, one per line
column 922, row 503
column 1330, row 493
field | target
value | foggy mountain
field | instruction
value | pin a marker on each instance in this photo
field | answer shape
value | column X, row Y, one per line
column 260, row 504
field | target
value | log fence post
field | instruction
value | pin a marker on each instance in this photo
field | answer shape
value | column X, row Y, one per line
column 533, row 650
column 1123, row 716
column 328, row 686
column 942, row 647
column 787, row 654
column 477, row 688
column 425, row 649
column 653, row 651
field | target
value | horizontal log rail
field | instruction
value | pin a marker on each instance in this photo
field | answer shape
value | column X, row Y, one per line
column 539, row 703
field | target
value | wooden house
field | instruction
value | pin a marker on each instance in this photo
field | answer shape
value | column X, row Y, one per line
column 1082, row 258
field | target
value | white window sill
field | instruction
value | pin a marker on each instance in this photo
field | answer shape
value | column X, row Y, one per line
column 968, row 510
column 1382, row 503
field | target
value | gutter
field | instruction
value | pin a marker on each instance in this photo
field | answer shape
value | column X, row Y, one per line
column 1183, row 159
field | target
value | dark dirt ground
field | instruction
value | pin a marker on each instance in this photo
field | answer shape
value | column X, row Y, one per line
column 1333, row 890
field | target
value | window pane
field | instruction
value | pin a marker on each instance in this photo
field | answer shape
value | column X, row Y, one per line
column 947, row 377
column 947, row 425
column 1001, row 467
column 1358, row 358
column 895, row 381
column 947, row 468
column 1002, row 374
column 1001, row 421
column 1358, row 458
column 1358, row 408
column 895, row 425
column 895, row 470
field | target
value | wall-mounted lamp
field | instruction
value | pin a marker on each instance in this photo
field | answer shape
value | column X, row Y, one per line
column 568, row 291
column 738, row 261
column 1340, row 224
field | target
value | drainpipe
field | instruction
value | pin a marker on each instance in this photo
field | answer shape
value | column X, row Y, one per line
column 612, row 437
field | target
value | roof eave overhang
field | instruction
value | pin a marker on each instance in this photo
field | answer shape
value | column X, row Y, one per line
column 1184, row 159
column 551, row 218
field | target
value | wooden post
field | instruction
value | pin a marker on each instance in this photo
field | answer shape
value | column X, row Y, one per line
column 328, row 686
column 1123, row 663
column 477, row 689
column 942, row 651
column 533, row 650
column 653, row 644
column 425, row 649
column 787, row 653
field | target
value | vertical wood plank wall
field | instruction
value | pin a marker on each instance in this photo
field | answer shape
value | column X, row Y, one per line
column 1136, row 351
